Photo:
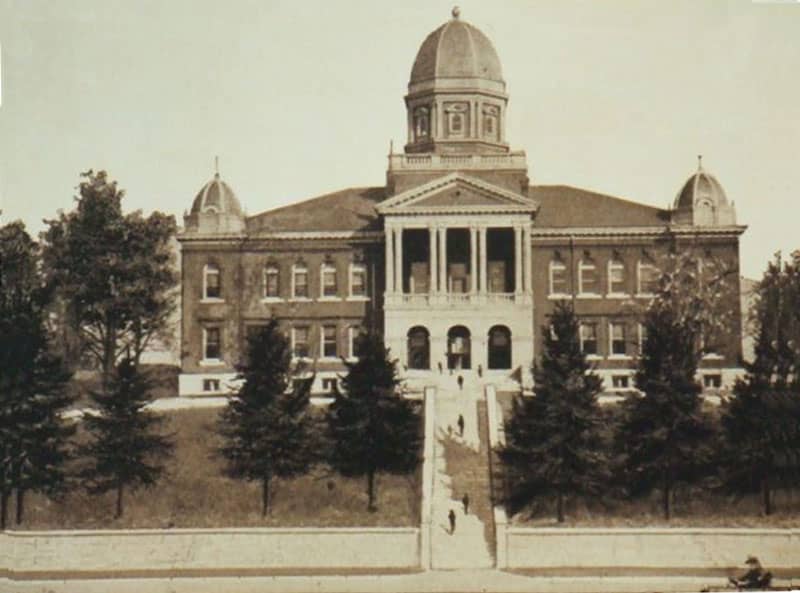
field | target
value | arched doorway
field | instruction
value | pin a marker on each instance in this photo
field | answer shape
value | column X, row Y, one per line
column 499, row 347
column 419, row 348
column 458, row 348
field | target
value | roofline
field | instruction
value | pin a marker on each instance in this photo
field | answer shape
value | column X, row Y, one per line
column 282, row 235
column 638, row 231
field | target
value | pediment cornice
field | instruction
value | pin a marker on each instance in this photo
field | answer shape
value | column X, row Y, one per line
column 484, row 197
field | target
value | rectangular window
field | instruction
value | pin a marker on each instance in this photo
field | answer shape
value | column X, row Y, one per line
column 355, row 333
column 329, row 341
column 300, row 342
column 648, row 279
column 588, row 278
column 358, row 281
column 616, row 277
column 271, row 286
column 589, row 338
column 210, row 384
column 617, row 331
column 620, row 381
column 558, row 278
column 300, row 283
column 329, row 385
column 329, row 281
column 212, row 343
column 213, row 286
column 642, row 337
column 712, row 381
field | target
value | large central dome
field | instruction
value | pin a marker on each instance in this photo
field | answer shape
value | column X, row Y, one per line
column 456, row 50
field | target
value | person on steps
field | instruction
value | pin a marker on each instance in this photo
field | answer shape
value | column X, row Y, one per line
column 465, row 502
column 452, row 517
column 460, row 425
column 460, row 380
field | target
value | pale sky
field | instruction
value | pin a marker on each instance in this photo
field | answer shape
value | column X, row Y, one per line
column 302, row 98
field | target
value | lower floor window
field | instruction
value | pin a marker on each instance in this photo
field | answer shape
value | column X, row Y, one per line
column 329, row 341
column 212, row 348
column 329, row 385
column 589, row 338
column 620, row 381
column 712, row 381
column 300, row 342
column 210, row 384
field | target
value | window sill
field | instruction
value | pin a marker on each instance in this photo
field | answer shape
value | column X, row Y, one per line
column 305, row 359
column 618, row 295
column 619, row 357
column 358, row 299
column 589, row 295
column 645, row 295
column 210, row 300
column 271, row 300
column 593, row 357
column 328, row 299
column 713, row 356
column 329, row 359
column 299, row 300
column 211, row 362
column 558, row 297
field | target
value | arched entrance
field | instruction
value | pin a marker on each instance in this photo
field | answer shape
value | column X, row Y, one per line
column 499, row 347
column 419, row 348
column 458, row 348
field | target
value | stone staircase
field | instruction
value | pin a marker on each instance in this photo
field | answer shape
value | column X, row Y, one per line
column 461, row 466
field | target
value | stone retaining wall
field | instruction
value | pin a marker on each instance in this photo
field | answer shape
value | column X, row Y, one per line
column 198, row 551
column 656, row 551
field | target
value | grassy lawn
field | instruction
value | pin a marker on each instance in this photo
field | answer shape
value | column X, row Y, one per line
column 693, row 507
column 196, row 494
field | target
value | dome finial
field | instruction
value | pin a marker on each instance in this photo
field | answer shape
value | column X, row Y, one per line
column 456, row 12
column 699, row 162
column 216, row 167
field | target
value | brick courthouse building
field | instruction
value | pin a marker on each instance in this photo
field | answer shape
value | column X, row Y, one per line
column 458, row 259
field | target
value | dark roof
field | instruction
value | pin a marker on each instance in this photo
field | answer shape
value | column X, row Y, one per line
column 565, row 206
column 350, row 209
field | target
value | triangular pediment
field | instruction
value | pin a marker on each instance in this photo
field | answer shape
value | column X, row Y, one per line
column 457, row 193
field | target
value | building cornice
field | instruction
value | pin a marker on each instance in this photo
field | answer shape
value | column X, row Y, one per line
column 632, row 231
column 352, row 236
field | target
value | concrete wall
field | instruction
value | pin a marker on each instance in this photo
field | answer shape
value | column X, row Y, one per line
column 427, row 478
column 207, row 550
column 657, row 551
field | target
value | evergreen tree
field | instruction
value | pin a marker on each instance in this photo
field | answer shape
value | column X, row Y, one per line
column 760, row 424
column 268, row 428
column 554, row 446
column 33, row 435
column 126, row 449
column 665, row 438
column 371, row 427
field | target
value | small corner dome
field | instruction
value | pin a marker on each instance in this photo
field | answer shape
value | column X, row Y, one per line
column 456, row 50
column 216, row 197
column 701, row 187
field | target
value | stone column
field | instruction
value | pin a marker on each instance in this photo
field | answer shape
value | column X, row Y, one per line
column 433, row 257
column 517, row 260
column 483, row 261
column 398, row 260
column 389, row 234
column 473, row 260
column 526, row 249
column 443, row 288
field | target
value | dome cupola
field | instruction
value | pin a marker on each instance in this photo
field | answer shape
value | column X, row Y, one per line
column 456, row 97
column 215, row 209
column 702, row 201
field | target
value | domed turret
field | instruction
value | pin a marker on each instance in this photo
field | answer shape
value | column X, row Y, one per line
column 456, row 94
column 702, row 201
column 215, row 210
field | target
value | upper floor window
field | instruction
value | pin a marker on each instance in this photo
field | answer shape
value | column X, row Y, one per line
column 300, row 281
column 648, row 277
column 329, row 343
column 616, row 277
column 358, row 280
column 354, row 341
column 617, row 337
column 212, row 343
column 588, row 337
column 558, row 278
column 212, row 283
column 300, row 341
column 328, row 274
column 587, row 277
column 271, row 282
column 642, row 337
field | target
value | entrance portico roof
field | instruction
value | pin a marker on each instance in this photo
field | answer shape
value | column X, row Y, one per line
column 457, row 193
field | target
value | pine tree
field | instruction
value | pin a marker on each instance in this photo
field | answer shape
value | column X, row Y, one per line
column 268, row 428
column 665, row 439
column 554, row 446
column 760, row 427
column 371, row 427
column 126, row 450
column 33, row 435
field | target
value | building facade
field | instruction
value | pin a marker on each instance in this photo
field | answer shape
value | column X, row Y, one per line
column 458, row 259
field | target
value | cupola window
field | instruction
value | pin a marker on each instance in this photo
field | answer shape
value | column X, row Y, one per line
column 491, row 116
column 456, row 120
column 421, row 123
